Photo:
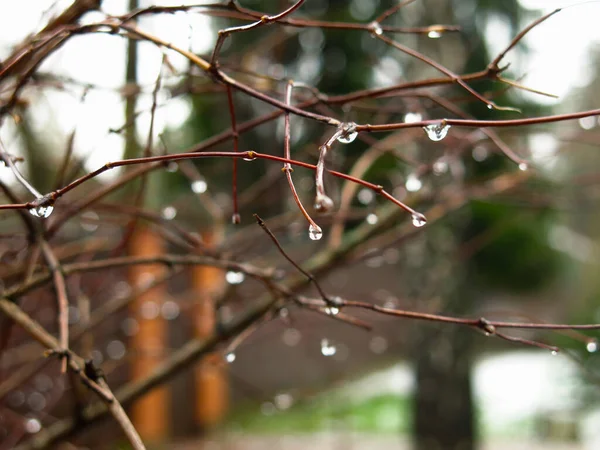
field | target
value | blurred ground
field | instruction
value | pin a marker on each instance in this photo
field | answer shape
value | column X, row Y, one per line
column 346, row 441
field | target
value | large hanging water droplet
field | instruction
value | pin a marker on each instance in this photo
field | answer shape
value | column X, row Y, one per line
column 434, row 34
column 327, row 349
column 42, row 207
column 172, row 167
column 523, row 166
column 230, row 357
column 323, row 203
column 349, row 133
column 41, row 211
column 236, row 219
column 418, row 220
column 413, row 183
column 554, row 352
column 199, row 186
column 437, row 131
column 233, row 277
column 592, row 346
column 315, row 232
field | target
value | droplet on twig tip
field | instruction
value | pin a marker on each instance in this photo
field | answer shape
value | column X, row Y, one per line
column 418, row 220
column 315, row 232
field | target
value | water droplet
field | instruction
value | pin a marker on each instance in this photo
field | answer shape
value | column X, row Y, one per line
column 437, row 131
column 523, row 167
column 554, row 353
column 376, row 28
column 365, row 196
column 43, row 209
column 490, row 106
column 230, row 357
column 434, row 34
column 440, row 166
column 43, row 382
column 169, row 213
column 130, row 326
column 337, row 301
column 234, row 277
column 169, row 310
column 97, row 357
column 315, row 232
column 149, row 310
column 199, row 186
column 412, row 117
column 348, row 133
column 236, row 219
column 36, row 401
column 413, row 183
column 32, row 425
column 115, row 350
column 268, row 409
column 372, row 219
column 418, row 220
column 291, row 337
column 480, row 153
column 283, row 401
column 327, row 349
column 16, row 398
column 323, row 203
column 592, row 346
column 172, row 167
column 332, row 310
column 251, row 156
column 587, row 123
column 378, row 345
column 90, row 221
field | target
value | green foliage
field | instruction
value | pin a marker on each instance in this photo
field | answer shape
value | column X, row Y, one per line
column 381, row 414
column 514, row 255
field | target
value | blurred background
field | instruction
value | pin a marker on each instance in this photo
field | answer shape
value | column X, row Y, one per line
column 303, row 378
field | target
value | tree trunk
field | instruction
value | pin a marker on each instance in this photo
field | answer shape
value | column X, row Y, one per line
column 443, row 403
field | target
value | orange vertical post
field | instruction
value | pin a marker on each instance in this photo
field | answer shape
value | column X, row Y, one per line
column 150, row 414
column 212, row 386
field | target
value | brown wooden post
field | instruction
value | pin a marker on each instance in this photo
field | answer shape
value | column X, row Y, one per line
column 212, row 386
column 150, row 414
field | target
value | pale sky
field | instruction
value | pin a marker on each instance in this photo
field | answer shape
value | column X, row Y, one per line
column 559, row 61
